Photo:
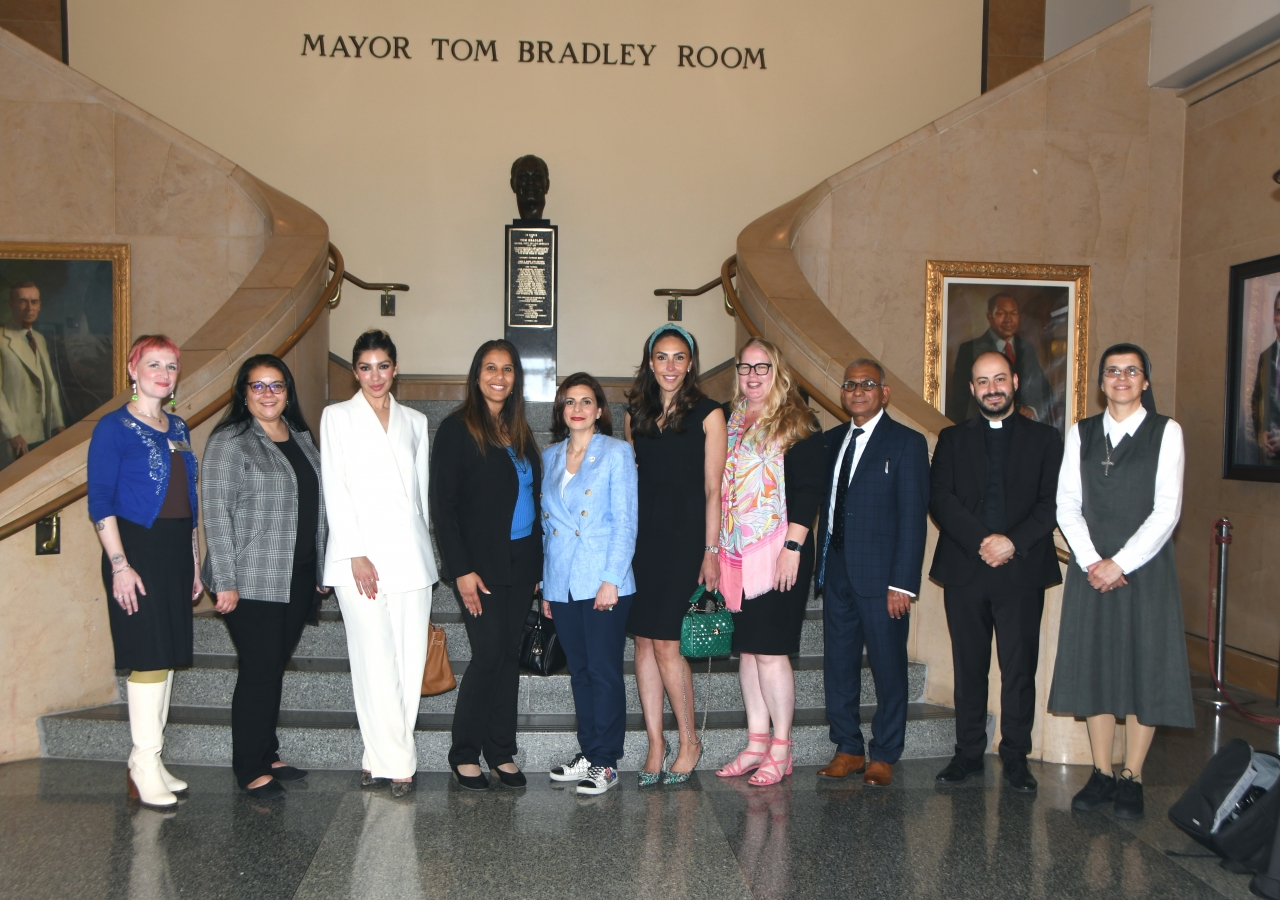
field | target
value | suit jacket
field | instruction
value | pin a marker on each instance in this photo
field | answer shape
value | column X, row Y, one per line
column 959, row 485
column 249, row 494
column 1264, row 403
column 30, row 402
column 1033, row 387
column 885, row 510
column 375, row 492
column 473, row 500
column 589, row 532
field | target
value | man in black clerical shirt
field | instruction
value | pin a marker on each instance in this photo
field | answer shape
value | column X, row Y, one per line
column 994, row 481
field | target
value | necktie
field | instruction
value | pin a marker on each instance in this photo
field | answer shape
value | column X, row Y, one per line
column 31, row 339
column 841, row 489
column 1009, row 353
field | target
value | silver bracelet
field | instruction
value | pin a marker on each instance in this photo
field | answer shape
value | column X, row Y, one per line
column 712, row 550
column 121, row 569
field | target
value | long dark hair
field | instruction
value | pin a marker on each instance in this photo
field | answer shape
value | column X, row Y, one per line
column 485, row 428
column 644, row 399
column 604, row 424
column 238, row 418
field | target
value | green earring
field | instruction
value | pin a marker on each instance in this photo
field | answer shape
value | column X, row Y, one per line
column 135, row 392
column 173, row 403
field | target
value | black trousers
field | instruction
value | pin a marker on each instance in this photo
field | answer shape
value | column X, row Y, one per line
column 992, row 601
column 265, row 635
column 484, row 718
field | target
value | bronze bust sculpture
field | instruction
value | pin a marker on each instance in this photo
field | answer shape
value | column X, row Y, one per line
column 530, row 180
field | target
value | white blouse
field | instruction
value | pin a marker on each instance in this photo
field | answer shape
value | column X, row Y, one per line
column 1159, row 525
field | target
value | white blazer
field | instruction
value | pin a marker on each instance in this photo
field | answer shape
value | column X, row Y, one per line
column 375, row 494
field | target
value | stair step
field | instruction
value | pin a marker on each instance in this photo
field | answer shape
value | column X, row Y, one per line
column 319, row 739
column 329, row 639
column 212, row 681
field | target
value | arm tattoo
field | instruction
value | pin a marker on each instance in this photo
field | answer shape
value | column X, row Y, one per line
column 102, row 524
column 117, row 558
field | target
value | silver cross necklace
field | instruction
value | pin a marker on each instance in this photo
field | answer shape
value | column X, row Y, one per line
column 1107, row 463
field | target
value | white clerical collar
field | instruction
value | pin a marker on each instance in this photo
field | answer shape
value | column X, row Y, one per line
column 995, row 423
column 1116, row 430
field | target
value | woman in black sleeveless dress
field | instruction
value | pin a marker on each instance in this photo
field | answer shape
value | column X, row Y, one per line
column 1121, row 650
column 679, row 439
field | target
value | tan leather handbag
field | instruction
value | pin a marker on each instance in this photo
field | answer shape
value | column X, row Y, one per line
column 437, row 677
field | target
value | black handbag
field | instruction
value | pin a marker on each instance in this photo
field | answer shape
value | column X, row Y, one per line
column 540, row 650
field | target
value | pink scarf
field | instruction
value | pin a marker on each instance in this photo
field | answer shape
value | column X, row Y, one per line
column 753, row 514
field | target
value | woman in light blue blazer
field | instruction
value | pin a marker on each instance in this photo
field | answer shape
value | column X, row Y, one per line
column 589, row 508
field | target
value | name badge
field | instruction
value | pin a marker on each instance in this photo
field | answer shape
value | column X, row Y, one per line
column 181, row 446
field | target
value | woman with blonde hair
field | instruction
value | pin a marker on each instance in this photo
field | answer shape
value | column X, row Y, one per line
column 772, row 488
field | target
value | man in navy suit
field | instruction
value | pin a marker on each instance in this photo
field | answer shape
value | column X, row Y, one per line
column 872, row 532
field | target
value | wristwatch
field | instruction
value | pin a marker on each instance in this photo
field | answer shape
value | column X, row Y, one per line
column 792, row 545
column 711, row 550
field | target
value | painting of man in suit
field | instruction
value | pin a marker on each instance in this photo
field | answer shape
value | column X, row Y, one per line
column 1265, row 400
column 1034, row 398
column 56, row 347
column 30, row 402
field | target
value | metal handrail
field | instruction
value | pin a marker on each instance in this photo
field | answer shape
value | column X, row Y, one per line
column 332, row 289
column 373, row 285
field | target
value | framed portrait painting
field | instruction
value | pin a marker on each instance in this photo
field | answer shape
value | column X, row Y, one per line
column 1036, row 315
column 64, row 334
column 1251, row 439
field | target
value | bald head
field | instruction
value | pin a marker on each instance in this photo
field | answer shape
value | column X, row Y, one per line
column 993, row 384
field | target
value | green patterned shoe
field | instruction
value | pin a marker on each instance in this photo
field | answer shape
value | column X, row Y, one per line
column 670, row 777
column 649, row 779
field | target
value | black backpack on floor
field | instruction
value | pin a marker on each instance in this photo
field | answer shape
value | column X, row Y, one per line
column 1233, row 806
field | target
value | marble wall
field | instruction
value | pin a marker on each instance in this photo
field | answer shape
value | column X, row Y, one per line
column 39, row 22
column 1231, row 214
column 1015, row 39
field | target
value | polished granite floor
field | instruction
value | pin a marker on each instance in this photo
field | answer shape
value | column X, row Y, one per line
column 67, row 831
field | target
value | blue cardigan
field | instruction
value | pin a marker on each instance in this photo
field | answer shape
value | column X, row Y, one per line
column 129, row 467
column 589, row 534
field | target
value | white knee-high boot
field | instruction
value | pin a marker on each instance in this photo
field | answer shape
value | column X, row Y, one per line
column 146, row 723
column 172, row 782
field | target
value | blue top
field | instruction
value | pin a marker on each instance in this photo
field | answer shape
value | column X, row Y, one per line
column 129, row 467
column 522, row 518
column 589, row 533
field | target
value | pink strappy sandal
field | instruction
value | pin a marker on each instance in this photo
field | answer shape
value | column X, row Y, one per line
column 771, row 770
column 740, row 765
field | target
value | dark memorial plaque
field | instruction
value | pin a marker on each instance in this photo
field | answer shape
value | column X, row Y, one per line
column 530, row 303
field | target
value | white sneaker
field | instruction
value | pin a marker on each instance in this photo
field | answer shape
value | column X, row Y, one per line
column 575, row 770
column 599, row 779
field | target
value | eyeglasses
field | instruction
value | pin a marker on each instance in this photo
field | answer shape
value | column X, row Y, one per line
column 1116, row 371
column 866, row 386
column 758, row 368
column 259, row 387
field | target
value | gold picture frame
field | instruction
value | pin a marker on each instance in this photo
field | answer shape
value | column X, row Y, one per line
column 1064, row 344
column 84, row 316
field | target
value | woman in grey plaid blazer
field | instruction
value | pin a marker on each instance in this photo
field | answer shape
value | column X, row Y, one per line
column 265, row 537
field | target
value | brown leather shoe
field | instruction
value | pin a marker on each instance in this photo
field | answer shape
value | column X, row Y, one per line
column 879, row 773
column 843, row 765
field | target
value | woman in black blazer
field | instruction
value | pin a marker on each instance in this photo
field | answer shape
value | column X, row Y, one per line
column 486, row 481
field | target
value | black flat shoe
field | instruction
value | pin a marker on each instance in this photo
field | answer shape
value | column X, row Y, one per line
column 1128, row 797
column 401, row 789
column 1097, row 790
column 514, row 779
column 959, row 769
column 269, row 791
column 288, row 773
column 1019, row 776
column 471, row 782
column 368, row 781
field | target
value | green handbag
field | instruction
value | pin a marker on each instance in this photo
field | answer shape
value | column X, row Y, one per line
column 706, row 631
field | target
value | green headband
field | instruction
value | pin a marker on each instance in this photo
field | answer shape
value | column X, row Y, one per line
column 670, row 326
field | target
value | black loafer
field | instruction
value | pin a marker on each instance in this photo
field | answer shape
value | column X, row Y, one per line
column 288, row 773
column 1097, row 790
column 1019, row 776
column 1128, row 798
column 514, row 779
column 269, row 791
column 959, row 769
column 471, row 782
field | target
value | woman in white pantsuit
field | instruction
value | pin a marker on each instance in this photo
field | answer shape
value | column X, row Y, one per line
column 379, row 557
